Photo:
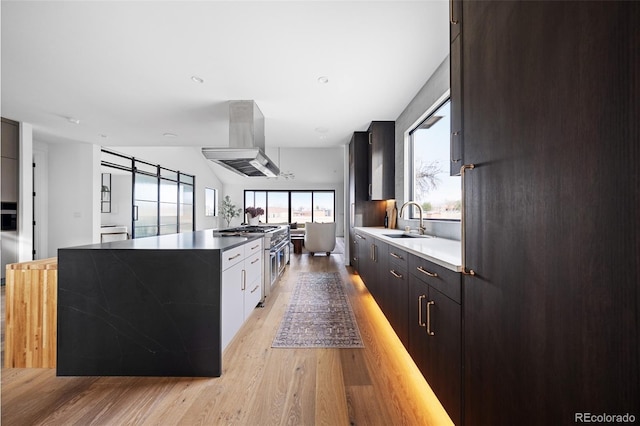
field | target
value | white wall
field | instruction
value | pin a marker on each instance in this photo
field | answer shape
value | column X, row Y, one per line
column 25, row 189
column 73, row 195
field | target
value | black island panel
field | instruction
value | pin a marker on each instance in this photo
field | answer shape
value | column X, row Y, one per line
column 124, row 312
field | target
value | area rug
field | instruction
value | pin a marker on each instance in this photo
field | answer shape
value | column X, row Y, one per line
column 319, row 315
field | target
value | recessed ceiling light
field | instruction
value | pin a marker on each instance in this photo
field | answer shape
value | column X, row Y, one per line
column 102, row 135
column 197, row 79
column 323, row 79
column 73, row 120
column 169, row 135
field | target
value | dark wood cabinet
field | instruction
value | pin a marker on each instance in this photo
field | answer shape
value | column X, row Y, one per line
column 372, row 261
column 455, row 18
column 382, row 142
column 363, row 247
column 435, row 331
column 362, row 212
column 456, row 137
column 550, row 110
column 396, row 287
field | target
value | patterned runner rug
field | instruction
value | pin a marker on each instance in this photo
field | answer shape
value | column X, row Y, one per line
column 319, row 315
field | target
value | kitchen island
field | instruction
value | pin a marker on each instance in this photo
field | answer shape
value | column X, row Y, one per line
column 143, row 307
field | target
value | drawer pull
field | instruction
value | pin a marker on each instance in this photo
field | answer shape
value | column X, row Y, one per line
column 395, row 274
column 256, row 260
column 429, row 303
column 233, row 257
column 256, row 287
column 420, row 322
column 452, row 20
column 424, row 271
column 360, row 236
column 255, row 247
column 397, row 256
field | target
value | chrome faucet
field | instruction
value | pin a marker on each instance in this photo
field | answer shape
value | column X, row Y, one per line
column 421, row 227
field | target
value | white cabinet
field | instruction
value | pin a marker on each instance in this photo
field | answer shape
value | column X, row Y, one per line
column 241, row 286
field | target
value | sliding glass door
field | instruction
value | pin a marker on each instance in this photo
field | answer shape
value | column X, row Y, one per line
column 162, row 200
column 145, row 205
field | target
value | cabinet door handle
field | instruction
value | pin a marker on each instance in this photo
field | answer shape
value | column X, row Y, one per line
column 429, row 303
column 370, row 138
column 451, row 20
column 395, row 274
column 244, row 280
column 420, row 298
column 369, row 190
column 456, row 133
column 397, row 256
column 233, row 257
column 424, row 271
column 463, row 238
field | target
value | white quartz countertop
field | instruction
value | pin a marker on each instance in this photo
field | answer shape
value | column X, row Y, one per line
column 441, row 251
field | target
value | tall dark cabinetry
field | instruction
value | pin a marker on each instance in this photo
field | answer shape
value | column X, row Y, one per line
column 382, row 143
column 550, row 107
column 362, row 212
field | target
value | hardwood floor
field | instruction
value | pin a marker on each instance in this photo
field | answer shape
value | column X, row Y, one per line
column 260, row 385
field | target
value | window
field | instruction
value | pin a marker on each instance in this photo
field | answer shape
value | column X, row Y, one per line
column 431, row 186
column 162, row 198
column 210, row 202
column 293, row 206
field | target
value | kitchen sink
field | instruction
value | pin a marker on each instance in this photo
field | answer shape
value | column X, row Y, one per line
column 407, row 236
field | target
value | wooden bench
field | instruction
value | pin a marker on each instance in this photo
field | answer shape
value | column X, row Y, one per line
column 31, row 314
column 297, row 241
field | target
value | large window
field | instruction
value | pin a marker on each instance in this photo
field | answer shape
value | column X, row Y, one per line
column 162, row 198
column 293, row 206
column 431, row 186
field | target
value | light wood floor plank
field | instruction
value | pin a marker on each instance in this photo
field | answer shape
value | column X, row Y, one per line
column 331, row 398
column 260, row 385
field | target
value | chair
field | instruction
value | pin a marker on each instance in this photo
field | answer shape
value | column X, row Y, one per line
column 320, row 237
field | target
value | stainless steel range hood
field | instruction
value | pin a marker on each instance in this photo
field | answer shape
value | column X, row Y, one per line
column 245, row 153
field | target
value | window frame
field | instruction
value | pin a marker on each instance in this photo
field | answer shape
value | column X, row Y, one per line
column 439, row 103
column 289, row 191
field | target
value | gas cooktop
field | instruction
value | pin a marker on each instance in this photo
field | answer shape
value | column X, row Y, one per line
column 250, row 229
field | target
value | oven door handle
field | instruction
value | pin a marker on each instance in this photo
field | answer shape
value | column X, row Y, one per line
column 279, row 246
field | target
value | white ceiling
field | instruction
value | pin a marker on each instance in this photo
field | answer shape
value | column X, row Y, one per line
column 124, row 68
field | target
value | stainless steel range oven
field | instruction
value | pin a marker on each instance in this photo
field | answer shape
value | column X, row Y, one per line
column 276, row 251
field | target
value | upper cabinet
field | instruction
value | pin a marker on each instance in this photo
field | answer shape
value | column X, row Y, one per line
column 382, row 160
column 455, row 24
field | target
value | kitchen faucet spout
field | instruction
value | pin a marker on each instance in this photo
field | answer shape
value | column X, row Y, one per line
column 421, row 227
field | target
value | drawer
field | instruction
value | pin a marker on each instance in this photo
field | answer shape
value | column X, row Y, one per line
column 232, row 256
column 253, row 267
column 398, row 257
column 442, row 279
column 253, row 247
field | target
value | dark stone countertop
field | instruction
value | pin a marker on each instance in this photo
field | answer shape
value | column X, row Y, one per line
column 199, row 240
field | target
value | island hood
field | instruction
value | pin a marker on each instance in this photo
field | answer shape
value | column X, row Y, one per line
column 245, row 153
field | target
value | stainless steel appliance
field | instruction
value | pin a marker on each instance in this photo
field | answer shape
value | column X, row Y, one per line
column 276, row 251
